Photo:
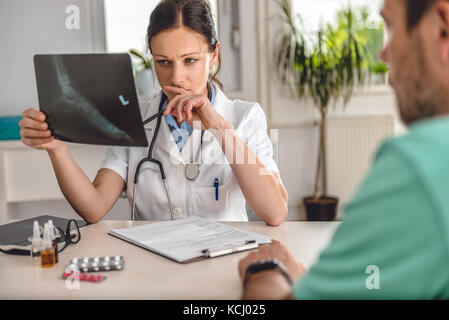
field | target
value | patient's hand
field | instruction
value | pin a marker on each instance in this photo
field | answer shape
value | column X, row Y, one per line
column 275, row 250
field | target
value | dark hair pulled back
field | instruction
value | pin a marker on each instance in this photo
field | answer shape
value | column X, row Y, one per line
column 193, row 14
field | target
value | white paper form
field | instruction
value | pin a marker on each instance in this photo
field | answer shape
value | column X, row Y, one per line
column 185, row 239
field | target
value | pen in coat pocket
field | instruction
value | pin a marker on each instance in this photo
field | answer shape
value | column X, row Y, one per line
column 216, row 184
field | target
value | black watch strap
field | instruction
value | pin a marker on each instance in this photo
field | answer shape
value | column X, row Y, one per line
column 264, row 265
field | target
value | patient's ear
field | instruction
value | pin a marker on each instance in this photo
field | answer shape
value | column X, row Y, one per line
column 443, row 15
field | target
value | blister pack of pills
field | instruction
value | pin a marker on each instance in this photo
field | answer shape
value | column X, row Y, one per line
column 88, row 277
column 94, row 264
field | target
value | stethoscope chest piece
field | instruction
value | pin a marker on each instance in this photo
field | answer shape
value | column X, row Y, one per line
column 192, row 171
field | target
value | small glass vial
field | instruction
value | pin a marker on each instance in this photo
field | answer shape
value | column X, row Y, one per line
column 48, row 257
column 35, row 252
column 35, row 248
column 53, row 232
column 48, row 251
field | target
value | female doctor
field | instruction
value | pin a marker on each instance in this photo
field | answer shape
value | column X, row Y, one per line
column 225, row 140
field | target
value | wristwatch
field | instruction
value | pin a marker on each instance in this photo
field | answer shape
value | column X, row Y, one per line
column 267, row 264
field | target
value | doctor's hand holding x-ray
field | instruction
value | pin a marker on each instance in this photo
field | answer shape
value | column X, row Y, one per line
column 183, row 57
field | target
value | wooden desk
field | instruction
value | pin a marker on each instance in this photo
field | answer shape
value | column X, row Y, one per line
column 150, row 276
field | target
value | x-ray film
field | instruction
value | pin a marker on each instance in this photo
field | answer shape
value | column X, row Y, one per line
column 90, row 98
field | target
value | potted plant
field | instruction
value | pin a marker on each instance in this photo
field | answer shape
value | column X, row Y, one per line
column 326, row 70
column 146, row 83
column 380, row 71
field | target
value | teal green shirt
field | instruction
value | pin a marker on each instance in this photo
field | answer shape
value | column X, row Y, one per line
column 397, row 221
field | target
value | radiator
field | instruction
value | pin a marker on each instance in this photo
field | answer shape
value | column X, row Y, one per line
column 351, row 144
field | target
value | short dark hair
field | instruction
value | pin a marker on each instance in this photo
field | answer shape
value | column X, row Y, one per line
column 415, row 10
column 194, row 14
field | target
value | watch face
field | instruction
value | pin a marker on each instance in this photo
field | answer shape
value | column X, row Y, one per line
column 263, row 264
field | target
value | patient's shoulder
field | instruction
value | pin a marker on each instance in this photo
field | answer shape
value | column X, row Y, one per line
column 425, row 145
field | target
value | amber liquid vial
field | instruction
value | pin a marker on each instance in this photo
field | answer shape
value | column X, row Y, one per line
column 48, row 258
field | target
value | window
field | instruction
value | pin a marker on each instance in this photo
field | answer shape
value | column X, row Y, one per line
column 127, row 23
column 314, row 12
column 369, row 25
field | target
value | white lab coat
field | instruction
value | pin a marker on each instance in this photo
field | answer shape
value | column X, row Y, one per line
column 192, row 198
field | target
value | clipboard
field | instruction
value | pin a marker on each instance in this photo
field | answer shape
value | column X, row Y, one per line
column 231, row 248
column 191, row 239
column 224, row 250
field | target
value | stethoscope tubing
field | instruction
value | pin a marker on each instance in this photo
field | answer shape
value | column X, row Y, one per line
column 159, row 114
column 150, row 158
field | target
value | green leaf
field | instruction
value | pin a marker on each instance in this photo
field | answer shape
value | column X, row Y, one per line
column 147, row 62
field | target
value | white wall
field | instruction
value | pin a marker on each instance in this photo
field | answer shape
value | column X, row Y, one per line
column 31, row 27
column 239, row 48
column 28, row 27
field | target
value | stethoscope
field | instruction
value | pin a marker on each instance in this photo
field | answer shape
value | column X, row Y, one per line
column 192, row 170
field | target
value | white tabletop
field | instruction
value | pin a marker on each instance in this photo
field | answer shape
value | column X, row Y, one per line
column 147, row 275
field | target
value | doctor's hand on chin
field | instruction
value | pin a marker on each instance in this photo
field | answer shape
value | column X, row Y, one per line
column 194, row 108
